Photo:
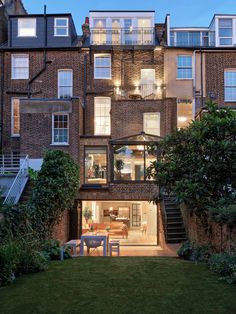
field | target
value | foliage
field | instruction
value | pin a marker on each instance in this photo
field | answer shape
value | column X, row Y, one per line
column 51, row 249
column 33, row 174
column 54, row 191
column 19, row 255
column 224, row 265
column 87, row 213
column 224, row 214
column 198, row 163
column 191, row 251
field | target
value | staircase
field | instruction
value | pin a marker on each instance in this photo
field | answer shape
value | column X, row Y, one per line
column 173, row 221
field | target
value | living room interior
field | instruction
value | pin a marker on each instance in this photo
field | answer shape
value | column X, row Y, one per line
column 130, row 222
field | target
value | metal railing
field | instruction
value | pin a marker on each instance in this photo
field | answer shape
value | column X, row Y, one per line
column 122, row 36
column 10, row 164
column 19, row 183
column 148, row 90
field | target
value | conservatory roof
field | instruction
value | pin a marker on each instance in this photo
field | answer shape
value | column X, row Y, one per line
column 140, row 138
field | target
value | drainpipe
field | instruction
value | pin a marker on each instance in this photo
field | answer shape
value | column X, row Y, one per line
column 2, row 101
column 85, row 91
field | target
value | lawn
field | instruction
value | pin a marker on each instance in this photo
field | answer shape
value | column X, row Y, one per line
column 120, row 285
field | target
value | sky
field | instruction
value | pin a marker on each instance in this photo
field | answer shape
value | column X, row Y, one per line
column 182, row 12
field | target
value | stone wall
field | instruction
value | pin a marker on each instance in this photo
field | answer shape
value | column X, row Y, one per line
column 212, row 233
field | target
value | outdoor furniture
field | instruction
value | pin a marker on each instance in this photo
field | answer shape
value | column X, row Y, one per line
column 94, row 240
column 72, row 243
column 114, row 247
column 93, row 243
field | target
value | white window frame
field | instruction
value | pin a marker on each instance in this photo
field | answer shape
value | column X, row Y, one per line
column 19, row 22
column 225, row 37
column 100, row 55
column 147, row 114
column 13, row 77
column 12, row 117
column 96, row 102
column 68, row 128
column 182, row 67
column 61, row 27
column 229, row 86
column 58, row 83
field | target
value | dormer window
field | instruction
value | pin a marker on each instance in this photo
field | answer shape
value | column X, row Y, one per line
column 225, row 32
column 27, row 27
column 61, row 27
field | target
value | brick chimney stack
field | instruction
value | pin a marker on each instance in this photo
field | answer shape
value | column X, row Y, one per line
column 85, row 28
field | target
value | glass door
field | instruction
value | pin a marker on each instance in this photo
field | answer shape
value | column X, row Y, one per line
column 136, row 215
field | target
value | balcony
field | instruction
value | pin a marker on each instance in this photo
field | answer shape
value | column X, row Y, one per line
column 142, row 92
column 122, row 36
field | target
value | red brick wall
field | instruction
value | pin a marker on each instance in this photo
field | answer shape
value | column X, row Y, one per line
column 61, row 231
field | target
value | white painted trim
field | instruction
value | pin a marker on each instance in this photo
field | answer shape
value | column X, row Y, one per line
column 58, row 86
column 56, row 27
column 68, row 128
column 35, row 27
column 95, row 99
column 97, row 55
column 12, row 60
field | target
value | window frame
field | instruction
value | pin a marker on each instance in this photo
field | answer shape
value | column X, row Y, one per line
column 101, row 134
column 97, row 55
column 225, row 37
column 95, row 146
column 184, row 67
column 61, row 27
column 12, row 117
column 12, row 67
column 229, row 86
column 68, row 129
column 145, row 114
column 58, row 83
column 19, row 21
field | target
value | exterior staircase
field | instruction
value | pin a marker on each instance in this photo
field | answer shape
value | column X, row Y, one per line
column 172, row 220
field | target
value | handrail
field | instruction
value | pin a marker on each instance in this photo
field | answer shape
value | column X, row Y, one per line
column 164, row 216
column 18, row 184
column 10, row 164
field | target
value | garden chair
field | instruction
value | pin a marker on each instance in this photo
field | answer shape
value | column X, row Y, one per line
column 93, row 244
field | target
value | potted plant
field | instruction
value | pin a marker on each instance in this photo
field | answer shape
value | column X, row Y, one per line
column 87, row 213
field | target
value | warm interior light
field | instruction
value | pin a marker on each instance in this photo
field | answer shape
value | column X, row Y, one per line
column 182, row 119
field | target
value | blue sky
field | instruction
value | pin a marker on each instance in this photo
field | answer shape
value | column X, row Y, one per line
column 183, row 12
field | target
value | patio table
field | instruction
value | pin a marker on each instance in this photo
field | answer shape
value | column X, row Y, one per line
column 104, row 237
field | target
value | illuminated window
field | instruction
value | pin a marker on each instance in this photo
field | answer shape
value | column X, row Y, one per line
column 95, row 165
column 102, row 117
column 151, row 123
column 15, row 117
column 26, row 27
column 184, row 112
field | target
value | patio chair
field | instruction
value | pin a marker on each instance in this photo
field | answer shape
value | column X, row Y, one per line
column 93, row 244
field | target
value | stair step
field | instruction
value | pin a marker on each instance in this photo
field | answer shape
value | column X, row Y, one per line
column 180, row 228
column 175, row 240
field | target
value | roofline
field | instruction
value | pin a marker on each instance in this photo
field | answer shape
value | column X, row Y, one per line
column 190, row 27
column 220, row 14
column 40, row 15
column 153, row 11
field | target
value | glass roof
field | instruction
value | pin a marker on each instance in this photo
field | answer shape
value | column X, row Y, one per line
column 140, row 138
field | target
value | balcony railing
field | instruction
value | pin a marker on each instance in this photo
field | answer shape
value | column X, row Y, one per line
column 122, row 36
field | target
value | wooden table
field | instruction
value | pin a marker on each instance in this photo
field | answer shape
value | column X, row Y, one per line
column 104, row 237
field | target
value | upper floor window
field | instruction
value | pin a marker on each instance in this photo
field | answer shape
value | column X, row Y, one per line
column 102, row 117
column 61, row 27
column 184, row 67
column 95, row 165
column 60, row 129
column 147, row 82
column 230, row 85
column 65, row 83
column 189, row 38
column 15, row 117
column 102, row 66
column 225, row 32
column 151, row 123
column 27, row 27
column 20, row 67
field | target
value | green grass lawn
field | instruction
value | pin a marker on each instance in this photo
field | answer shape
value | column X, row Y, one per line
column 120, row 285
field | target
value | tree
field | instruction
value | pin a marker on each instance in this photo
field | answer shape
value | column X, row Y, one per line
column 198, row 163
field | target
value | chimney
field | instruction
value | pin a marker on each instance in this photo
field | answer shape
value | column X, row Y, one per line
column 85, row 28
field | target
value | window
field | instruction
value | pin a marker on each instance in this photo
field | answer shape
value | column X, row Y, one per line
column 151, row 123
column 225, row 32
column 184, row 112
column 60, row 129
column 20, row 67
column 102, row 66
column 102, row 117
column 95, row 165
column 230, row 85
column 15, row 117
column 61, row 27
column 131, row 162
column 26, row 27
column 65, row 83
column 184, row 67
column 147, row 82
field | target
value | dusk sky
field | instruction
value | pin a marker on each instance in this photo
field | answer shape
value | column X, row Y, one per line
column 183, row 12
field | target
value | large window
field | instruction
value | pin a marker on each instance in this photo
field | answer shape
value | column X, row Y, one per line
column 102, row 117
column 60, row 129
column 102, row 66
column 230, row 85
column 189, row 39
column 184, row 67
column 148, row 78
column 184, row 112
column 61, row 27
column 225, row 32
column 131, row 162
column 95, row 165
column 20, row 67
column 151, row 123
column 26, row 27
column 65, row 83
column 15, row 117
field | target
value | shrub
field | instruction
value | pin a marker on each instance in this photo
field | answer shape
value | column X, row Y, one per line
column 192, row 252
column 224, row 265
column 52, row 250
